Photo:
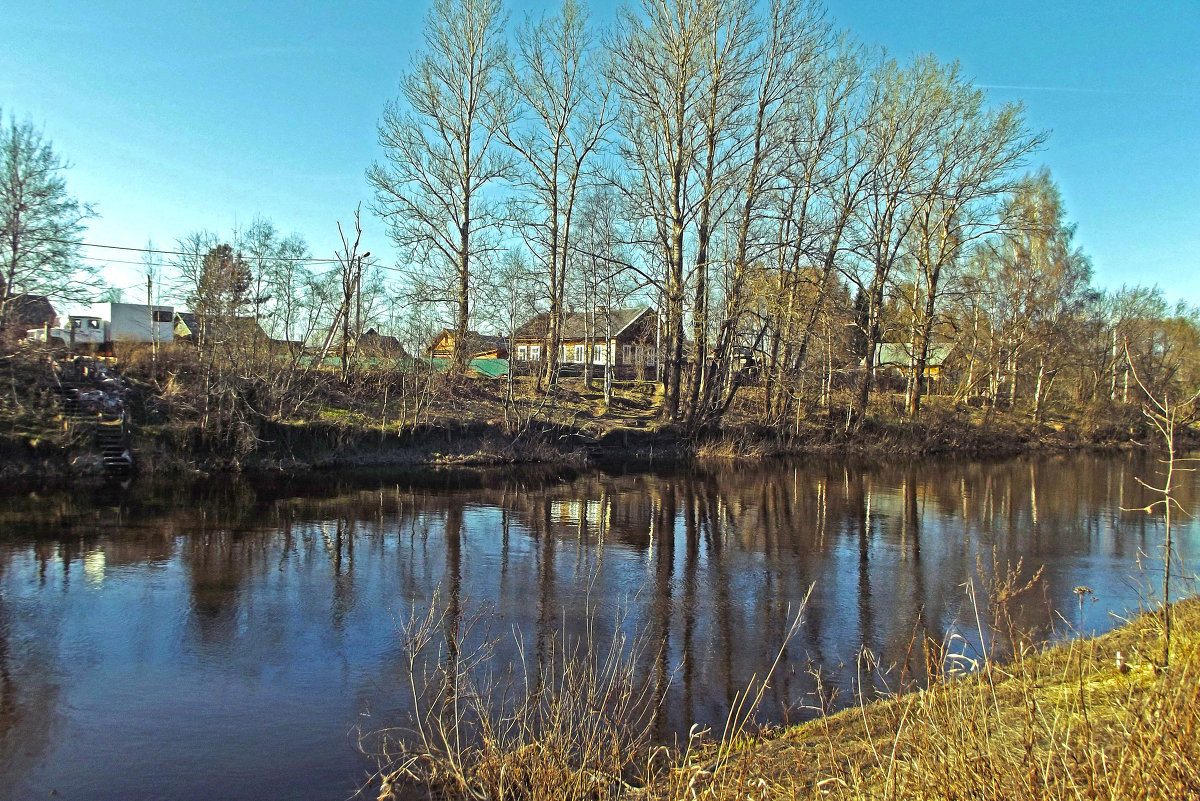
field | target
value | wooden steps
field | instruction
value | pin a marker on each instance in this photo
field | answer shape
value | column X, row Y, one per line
column 85, row 405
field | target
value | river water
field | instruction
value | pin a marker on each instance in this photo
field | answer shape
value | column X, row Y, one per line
column 241, row 640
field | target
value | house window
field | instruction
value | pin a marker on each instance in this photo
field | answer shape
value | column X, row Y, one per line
column 627, row 354
column 598, row 354
column 579, row 354
column 650, row 355
column 162, row 316
column 522, row 353
column 535, row 353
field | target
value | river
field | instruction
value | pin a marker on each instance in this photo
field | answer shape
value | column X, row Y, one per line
column 242, row 639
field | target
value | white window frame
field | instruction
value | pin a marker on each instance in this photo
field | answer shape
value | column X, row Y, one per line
column 580, row 354
column 522, row 353
column 535, row 353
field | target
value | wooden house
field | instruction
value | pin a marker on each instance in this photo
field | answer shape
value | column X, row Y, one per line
column 626, row 337
column 479, row 346
column 197, row 328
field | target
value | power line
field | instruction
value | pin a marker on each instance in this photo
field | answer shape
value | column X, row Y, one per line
column 156, row 251
column 409, row 272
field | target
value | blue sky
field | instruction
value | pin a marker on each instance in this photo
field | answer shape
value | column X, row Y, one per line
column 179, row 116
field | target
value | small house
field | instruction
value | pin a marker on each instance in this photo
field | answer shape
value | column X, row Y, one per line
column 626, row 337
column 383, row 346
column 478, row 346
column 196, row 328
column 22, row 312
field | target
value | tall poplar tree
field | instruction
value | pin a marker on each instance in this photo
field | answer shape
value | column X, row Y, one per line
column 439, row 143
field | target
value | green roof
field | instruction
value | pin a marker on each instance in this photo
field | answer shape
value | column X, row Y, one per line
column 491, row 368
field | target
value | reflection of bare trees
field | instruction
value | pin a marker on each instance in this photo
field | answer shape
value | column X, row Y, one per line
column 28, row 692
column 705, row 563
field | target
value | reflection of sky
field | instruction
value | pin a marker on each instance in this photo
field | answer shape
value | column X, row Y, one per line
column 156, row 651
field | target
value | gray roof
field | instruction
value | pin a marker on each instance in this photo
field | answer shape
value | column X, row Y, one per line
column 576, row 325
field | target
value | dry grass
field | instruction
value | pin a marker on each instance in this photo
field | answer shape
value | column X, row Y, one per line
column 582, row 730
column 1067, row 722
column 574, row 732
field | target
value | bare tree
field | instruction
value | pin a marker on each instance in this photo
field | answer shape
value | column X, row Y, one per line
column 555, row 76
column 826, row 183
column 41, row 224
column 348, row 316
column 657, row 67
column 279, row 273
column 971, row 167
column 441, row 156
column 729, row 53
column 781, row 85
column 909, row 106
column 187, row 265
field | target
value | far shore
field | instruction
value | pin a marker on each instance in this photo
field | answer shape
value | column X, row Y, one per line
column 320, row 446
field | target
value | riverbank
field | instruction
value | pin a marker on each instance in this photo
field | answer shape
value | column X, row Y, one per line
column 481, row 423
column 54, row 449
column 1093, row 718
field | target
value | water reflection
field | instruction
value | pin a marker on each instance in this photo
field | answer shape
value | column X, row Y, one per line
column 144, row 642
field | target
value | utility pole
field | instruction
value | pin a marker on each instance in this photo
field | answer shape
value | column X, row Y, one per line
column 153, row 322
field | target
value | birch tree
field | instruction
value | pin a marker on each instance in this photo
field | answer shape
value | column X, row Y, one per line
column 909, row 107
column 657, row 68
column 782, row 81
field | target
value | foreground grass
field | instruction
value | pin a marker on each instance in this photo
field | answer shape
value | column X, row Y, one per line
column 1068, row 722
column 1063, row 723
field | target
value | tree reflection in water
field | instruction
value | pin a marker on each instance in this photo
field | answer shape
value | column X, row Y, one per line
column 284, row 596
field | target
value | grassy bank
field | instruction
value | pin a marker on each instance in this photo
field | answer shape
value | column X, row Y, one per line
column 1092, row 718
column 1075, row 721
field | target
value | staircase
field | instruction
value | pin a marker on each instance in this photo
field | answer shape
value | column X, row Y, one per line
column 114, row 449
column 89, row 402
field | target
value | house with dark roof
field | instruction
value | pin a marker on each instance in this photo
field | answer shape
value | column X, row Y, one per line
column 625, row 337
column 22, row 312
column 373, row 343
column 478, row 346
column 195, row 328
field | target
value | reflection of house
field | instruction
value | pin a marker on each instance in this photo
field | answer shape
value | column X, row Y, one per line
column 899, row 356
column 22, row 312
column 478, row 346
column 626, row 336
